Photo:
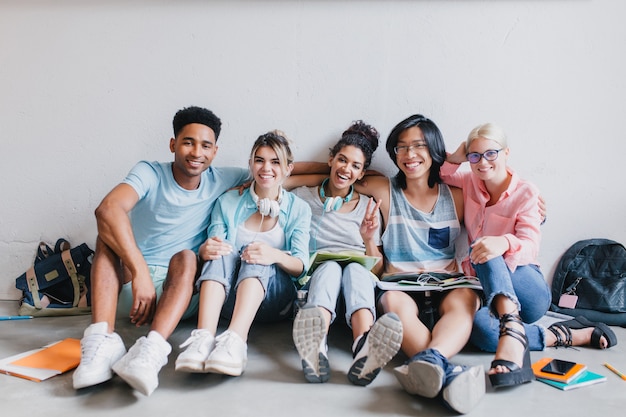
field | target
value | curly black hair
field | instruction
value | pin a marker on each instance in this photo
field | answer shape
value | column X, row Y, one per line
column 195, row 114
column 360, row 135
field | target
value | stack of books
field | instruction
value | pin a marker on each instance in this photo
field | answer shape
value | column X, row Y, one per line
column 578, row 376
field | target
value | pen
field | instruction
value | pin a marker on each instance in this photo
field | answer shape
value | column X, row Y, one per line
column 15, row 317
column 615, row 371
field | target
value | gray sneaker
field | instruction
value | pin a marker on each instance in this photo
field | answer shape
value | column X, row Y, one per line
column 99, row 350
column 375, row 348
column 309, row 335
column 141, row 365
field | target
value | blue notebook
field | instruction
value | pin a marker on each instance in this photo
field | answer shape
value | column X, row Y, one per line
column 586, row 378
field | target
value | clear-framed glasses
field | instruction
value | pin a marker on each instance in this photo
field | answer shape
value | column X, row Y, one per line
column 401, row 150
column 490, row 155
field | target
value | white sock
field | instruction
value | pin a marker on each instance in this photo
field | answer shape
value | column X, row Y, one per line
column 156, row 337
column 356, row 343
column 324, row 346
column 101, row 327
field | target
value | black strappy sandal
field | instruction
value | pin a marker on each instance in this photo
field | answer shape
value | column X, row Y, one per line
column 563, row 332
column 516, row 375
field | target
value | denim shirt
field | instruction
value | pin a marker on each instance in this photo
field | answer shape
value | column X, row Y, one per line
column 232, row 209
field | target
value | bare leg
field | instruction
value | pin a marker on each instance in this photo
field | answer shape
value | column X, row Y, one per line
column 361, row 321
column 177, row 292
column 453, row 329
column 416, row 336
column 250, row 295
column 212, row 298
column 107, row 277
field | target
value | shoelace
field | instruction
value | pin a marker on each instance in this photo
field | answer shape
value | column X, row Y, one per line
column 149, row 353
column 225, row 341
column 196, row 339
column 90, row 347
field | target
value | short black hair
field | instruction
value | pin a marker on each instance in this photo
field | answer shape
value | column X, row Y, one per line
column 433, row 139
column 195, row 114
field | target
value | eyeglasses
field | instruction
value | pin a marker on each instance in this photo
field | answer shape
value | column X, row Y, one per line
column 401, row 150
column 490, row 155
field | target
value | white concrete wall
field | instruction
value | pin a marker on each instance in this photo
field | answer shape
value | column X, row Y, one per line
column 87, row 88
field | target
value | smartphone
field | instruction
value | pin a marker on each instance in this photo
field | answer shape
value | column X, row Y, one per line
column 558, row 367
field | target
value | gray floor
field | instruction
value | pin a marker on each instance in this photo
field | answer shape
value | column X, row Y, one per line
column 272, row 384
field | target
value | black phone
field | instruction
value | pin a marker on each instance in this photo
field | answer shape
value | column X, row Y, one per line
column 558, row 367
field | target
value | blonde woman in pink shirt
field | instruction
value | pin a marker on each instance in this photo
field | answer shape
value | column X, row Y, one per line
column 502, row 222
column 503, row 226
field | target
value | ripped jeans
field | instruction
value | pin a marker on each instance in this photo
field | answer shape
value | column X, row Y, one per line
column 526, row 287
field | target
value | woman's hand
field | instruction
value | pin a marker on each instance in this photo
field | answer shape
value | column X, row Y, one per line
column 488, row 247
column 260, row 253
column 459, row 156
column 214, row 248
column 369, row 225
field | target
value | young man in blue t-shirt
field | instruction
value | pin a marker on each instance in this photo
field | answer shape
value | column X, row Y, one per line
column 157, row 211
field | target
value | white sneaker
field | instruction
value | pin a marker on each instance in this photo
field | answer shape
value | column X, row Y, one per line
column 229, row 356
column 99, row 350
column 375, row 348
column 199, row 345
column 141, row 365
column 309, row 336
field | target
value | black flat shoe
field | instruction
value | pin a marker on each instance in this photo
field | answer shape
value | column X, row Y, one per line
column 563, row 332
column 517, row 375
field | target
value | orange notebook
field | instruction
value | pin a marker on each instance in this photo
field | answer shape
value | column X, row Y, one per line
column 576, row 371
column 40, row 364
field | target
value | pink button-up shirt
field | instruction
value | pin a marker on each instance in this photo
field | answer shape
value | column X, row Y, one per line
column 515, row 216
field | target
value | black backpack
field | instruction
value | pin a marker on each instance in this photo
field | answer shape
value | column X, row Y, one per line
column 590, row 281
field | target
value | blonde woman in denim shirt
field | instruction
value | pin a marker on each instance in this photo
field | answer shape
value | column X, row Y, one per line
column 257, row 249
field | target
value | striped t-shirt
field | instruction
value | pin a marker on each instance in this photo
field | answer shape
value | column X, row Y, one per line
column 415, row 241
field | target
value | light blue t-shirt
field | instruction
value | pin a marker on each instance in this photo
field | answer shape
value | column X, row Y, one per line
column 168, row 218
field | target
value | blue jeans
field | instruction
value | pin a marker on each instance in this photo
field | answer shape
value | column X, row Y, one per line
column 354, row 281
column 230, row 270
column 526, row 287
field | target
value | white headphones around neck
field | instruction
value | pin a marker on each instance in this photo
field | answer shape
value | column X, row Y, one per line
column 334, row 203
column 266, row 206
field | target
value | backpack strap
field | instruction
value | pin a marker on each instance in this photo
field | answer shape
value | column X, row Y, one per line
column 33, row 286
column 68, row 262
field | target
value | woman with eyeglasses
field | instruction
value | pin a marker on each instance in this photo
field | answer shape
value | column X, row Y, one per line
column 503, row 228
column 502, row 223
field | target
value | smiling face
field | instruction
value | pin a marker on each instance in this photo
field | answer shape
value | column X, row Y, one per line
column 484, row 169
column 268, row 171
column 194, row 149
column 412, row 155
column 346, row 167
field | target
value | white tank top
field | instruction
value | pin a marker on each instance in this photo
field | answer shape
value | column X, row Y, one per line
column 275, row 237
